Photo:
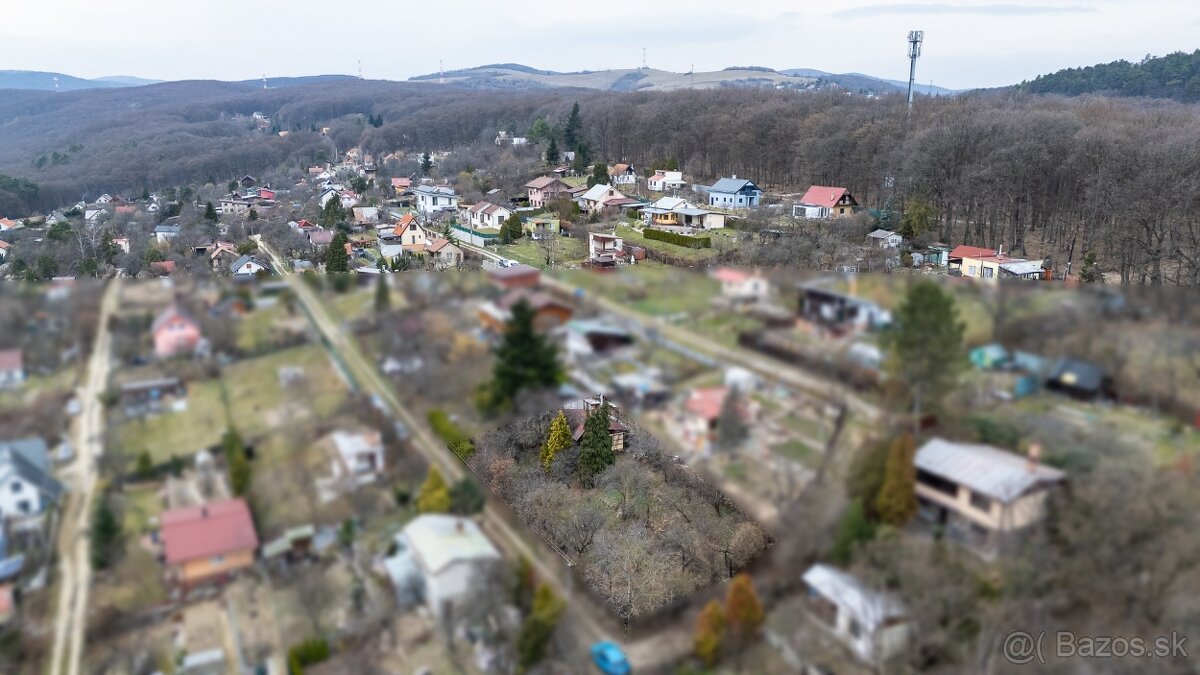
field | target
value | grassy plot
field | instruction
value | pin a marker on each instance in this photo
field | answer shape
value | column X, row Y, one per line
column 255, row 405
column 635, row 238
column 136, row 582
column 650, row 287
column 567, row 250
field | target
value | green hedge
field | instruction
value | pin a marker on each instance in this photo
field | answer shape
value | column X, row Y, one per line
column 677, row 239
column 307, row 653
column 458, row 442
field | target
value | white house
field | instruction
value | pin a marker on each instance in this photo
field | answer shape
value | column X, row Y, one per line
column 622, row 174
column 485, row 214
column 358, row 454
column 597, row 197
column 27, row 486
column 104, row 199
column 742, row 286
column 823, row 201
column 439, row 561
column 675, row 212
column 871, row 624
column 164, row 232
column 234, row 206
column 434, row 198
column 734, row 193
column 885, row 239
column 605, row 249
column 662, row 181
column 248, row 266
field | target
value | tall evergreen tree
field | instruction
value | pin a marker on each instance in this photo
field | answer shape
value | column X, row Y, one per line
column 426, row 163
column 1089, row 272
column 525, row 359
column 743, row 611
column 897, row 500
column 383, row 296
column 434, row 496
column 557, row 440
column 210, row 212
column 853, row 530
column 105, row 533
column 552, row 153
column 925, row 347
column 332, row 214
column 511, row 229
column 336, row 260
column 573, row 131
column 240, row 472
column 731, row 430
column 538, row 627
column 595, row 446
column 599, row 174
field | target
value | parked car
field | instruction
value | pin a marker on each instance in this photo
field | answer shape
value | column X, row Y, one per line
column 609, row 658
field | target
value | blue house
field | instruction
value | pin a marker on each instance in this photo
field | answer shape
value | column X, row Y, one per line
column 734, row 193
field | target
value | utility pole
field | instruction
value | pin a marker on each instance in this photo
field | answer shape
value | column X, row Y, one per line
column 915, row 38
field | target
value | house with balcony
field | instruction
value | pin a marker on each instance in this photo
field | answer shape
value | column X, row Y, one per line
column 622, row 174
column 673, row 212
column 823, row 201
column 666, row 181
column 435, row 198
column 546, row 189
column 734, row 193
column 980, row 495
column 604, row 250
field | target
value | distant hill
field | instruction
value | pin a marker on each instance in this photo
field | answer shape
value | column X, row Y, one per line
column 1174, row 76
column 518, row 76
column 127, row 81
column 30, row 79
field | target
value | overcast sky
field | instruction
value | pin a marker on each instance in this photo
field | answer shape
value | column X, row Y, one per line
column 968, row 43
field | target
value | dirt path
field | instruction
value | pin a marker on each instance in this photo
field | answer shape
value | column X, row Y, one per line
column 74, row 540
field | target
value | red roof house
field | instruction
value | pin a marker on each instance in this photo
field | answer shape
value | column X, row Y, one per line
column 210, row 541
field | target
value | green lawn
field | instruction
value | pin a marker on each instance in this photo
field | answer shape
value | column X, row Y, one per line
column 136, row 581
column 61, row 381
column 528, row 251
column 797, row 451
column 650, row 287
column 632, row 236
column 257, row 329
column 256, row 405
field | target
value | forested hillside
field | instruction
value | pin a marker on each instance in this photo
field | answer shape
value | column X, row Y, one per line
column 1174, row 76
column 1039, row 175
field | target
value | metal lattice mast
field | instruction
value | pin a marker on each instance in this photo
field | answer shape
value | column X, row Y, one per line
column 915, row 38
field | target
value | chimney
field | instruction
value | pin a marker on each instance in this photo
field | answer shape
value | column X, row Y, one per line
column 735, row 176
column 1001, row 251
column 1035, row 457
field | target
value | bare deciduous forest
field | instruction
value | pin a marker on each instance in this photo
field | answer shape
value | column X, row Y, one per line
column 1039, row 175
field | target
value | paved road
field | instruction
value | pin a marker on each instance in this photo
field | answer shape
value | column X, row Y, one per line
column 581, row 618
column 74, row 541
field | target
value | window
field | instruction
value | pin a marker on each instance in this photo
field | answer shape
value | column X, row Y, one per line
column 970, row 270
column 980, row 502
column 217, row 559
column 17, row 486
column 23, row 506
column 855, row 629
column 988, row 272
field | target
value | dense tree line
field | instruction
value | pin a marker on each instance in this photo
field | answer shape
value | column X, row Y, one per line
column 1175, row 76
column 1041, row 176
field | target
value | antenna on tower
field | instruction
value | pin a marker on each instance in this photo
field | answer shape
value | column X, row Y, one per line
column 360, row 69
column 442, row 70
column 56, row 83
column 915, row 38
column 264, row 80
column 643, row 58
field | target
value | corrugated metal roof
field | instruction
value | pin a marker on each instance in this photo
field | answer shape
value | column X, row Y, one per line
column 999, row 474
column 440, row 540
column 869, row 607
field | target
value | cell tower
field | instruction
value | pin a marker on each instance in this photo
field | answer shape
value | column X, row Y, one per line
column 56, row 84
column 442, row 71
column 915, row 38
column 643, row 58
column 264, row 80
column 360, row 69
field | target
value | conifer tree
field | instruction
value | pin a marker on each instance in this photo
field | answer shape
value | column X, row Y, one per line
column 731, row 430
column 557, row 440
column 434, row 496
column 710, row 627
column 525, row 359
column 383, row 297
column 552, row 152
column 336, row 259
column 595, row 446
column 897, row 500
column 573, row 131
column 743, row 611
